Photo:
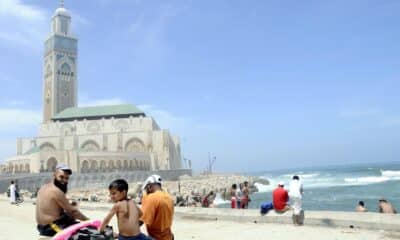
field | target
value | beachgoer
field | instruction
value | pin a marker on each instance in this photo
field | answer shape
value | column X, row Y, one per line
column 13, row 193
column 234, row 196
column 158, row 210
column 280, row 198
column 239, row 194
column 207, row 201
column 361, row 207
column 244, row 202
column 295, row 194
column 126, row 211
column 385, row 206
column 53, row 210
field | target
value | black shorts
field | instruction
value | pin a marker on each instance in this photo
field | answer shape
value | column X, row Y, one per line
column 51, row 229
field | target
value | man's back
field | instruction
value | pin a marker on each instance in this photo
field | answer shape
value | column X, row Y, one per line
column 280, row 198
column 295, row 188
column 386, row 207
column 158, row 211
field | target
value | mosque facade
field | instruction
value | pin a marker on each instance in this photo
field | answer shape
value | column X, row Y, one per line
column 88, row 139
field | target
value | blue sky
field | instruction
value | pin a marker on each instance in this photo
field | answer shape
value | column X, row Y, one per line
column 259, row 84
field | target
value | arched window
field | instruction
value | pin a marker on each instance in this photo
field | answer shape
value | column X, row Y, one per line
column 119, row 165
column 126, row 165
column 90, row 146
column 135, row 145
column 85, row 166
column 51, row 164
column 47, row 147
column 111, row 165
column 93, row 166
column 65, row 68
column 103, row 165
column 27, row 168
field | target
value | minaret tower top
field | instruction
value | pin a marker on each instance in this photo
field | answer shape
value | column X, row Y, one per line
column 60, row 65
column 61, row 22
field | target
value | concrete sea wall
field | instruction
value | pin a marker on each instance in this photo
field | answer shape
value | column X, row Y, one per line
column 87, row 180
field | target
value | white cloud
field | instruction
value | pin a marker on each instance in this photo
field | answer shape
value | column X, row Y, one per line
column 14, row 123
column 14, row 8
column 15, row 119
column 14, row 103
column 166, row 119
column 101, row 102
column 22, row 24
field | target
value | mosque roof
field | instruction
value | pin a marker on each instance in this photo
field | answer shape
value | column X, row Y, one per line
column 97, row 112
column 32, row 150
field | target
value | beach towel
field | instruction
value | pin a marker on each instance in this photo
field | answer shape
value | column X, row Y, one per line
column 83, row 229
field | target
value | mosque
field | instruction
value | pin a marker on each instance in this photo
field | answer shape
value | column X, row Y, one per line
column 88, row 139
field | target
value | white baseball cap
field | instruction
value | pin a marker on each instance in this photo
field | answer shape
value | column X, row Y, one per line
column 64, row 167
column 152, row 179
column 281, row 183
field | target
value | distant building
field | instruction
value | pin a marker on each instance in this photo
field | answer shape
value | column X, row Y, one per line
column 88, row 139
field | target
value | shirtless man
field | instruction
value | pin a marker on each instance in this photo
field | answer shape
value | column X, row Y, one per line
column 244, row 203
column 385, row 206
column 53, row 210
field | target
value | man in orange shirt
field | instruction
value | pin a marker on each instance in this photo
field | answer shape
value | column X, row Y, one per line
column 158, row 210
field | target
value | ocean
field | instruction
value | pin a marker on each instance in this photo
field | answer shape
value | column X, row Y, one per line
column 337, row 188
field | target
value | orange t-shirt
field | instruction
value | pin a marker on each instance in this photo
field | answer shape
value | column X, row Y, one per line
column 158, row 212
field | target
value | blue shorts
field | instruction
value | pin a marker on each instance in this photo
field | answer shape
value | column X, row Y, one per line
column 140, row 236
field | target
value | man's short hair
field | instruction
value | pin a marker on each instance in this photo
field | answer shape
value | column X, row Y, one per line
column 295, row 177
column 119, row 184
column 361, row 203
column 12, row 181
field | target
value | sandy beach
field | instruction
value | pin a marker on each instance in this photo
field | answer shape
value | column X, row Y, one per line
column 18, row 222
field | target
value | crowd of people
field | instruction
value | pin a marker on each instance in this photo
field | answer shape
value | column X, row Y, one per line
column 153, row 220
column 240, row 195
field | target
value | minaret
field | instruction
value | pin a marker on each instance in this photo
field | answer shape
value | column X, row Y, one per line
column 59, row 69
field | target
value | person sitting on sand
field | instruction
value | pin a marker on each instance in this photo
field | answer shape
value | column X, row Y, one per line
column 385, row 206
column 158, row 210
column 127, row 213
column 361, row 207
column 53, row 210
column 280, row 198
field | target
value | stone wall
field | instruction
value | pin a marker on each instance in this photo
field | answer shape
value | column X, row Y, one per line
column 87, row 180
